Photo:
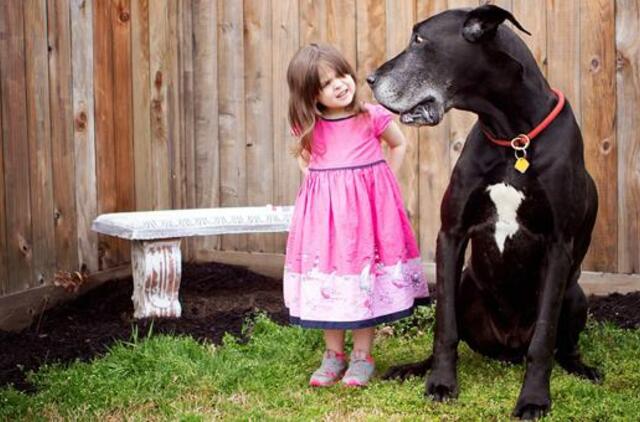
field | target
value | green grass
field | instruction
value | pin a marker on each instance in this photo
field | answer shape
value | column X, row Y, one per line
column 176, row 378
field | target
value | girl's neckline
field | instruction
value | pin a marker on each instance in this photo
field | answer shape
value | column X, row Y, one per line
column 337, row 119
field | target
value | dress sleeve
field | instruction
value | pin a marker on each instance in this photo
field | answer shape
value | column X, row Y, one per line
column 380, row 118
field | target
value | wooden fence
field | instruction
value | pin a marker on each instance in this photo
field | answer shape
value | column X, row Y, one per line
column 115, row 105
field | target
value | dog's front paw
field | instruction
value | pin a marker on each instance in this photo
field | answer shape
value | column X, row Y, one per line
column 402, row 372
column 442, row 386
column 531, row 408
column 593, row 374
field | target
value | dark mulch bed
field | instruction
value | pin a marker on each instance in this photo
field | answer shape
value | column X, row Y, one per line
column 622, row 310
column 215, row 299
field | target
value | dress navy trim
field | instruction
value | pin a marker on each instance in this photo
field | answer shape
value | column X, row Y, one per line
column 348, row 167
column 351, row 325
column 338, row 119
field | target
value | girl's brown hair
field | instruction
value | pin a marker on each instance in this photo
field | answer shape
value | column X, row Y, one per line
column 303, row 77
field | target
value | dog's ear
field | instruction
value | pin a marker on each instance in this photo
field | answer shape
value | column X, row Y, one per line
column 482, row 22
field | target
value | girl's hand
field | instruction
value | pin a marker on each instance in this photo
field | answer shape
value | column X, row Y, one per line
column 397, row 142
column 303, row 162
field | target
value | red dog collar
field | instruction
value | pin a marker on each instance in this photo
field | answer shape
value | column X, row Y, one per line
column 522, row 140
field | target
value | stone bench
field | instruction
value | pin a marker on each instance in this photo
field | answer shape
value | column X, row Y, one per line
column 155, row 251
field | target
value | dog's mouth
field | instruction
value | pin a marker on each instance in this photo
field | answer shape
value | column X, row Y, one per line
column 428, row 112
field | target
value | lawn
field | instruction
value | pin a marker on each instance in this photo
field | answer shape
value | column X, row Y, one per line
column 163, row 377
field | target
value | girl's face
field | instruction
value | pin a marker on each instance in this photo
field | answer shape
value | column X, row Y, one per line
column 336, row 92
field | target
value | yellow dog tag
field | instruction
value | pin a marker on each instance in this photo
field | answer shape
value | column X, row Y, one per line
column 521, row 164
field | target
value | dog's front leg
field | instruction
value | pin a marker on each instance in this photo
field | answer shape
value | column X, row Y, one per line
column 442, row 382
column 535, row 399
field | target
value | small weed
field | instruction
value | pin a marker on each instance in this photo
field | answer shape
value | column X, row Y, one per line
column 417, row 324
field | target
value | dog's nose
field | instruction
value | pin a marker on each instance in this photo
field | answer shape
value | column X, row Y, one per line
column 371, row 79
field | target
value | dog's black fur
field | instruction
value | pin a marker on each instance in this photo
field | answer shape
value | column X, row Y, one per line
column 522, row 302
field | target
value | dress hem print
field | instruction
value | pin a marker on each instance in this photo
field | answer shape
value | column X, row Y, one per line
column 354, row 325
column 378, row 293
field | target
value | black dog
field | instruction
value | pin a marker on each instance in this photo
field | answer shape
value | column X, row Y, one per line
column 518, row 297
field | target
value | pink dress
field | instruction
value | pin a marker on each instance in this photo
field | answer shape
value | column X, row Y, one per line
column 352, row 260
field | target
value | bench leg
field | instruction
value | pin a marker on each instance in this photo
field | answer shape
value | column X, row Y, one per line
column 157, row 269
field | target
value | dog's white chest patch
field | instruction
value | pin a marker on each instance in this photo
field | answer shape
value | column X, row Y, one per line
column 507, row 200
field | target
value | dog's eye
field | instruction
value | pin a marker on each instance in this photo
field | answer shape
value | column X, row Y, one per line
column 417, row 39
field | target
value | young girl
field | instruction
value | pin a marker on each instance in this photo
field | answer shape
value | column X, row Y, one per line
column 352, row 261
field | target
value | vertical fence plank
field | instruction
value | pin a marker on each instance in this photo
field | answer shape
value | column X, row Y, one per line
column 141, row 92
column 61, row 111
column 231, row 130
column 533, row 16
column 563, row 49
column 122, row 123
column 371, row 42
column 104, row 126
column 313, row 17
column 177, row 174
column 16, row 147
column 4, row 273
column 39, row 132
column 400, row 20
column 205, row 80
column 341, row 27
column 84, row 132
column 433, row 162
column 159, row 58
column 627, row 130
column 286, row 41
column 597, row 53
column 186, row 140
column 258, row 94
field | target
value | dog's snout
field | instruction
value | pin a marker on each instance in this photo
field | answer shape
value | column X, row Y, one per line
column 371, row 79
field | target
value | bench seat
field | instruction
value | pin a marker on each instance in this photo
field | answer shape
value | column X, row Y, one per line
column 145, row 225
column 155, row 251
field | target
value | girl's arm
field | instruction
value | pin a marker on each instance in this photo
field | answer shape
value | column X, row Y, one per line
column 394, row 137
column 303, row 162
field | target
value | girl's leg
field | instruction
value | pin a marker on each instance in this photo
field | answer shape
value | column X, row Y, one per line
column 363, row 340
column 334, row 340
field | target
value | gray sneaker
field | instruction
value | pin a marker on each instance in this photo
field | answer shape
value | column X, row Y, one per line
column 330, row 371
column 361, row 368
